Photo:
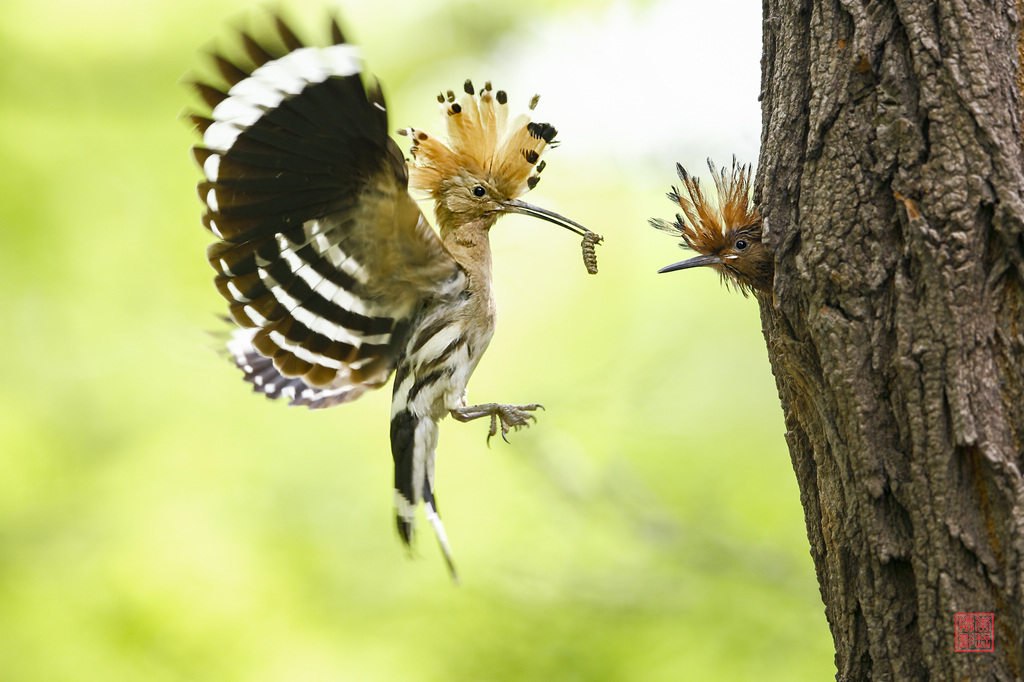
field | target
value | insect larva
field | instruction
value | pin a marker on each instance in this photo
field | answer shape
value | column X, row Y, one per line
column 591, row 240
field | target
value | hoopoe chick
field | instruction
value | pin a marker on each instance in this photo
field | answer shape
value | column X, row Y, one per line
column 328, row 265
column 725, row 230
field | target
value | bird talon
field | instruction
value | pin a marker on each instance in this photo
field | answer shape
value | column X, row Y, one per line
column 494, row 429
column 508, row 417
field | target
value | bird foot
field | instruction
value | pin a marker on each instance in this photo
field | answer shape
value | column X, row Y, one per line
column 510, row 416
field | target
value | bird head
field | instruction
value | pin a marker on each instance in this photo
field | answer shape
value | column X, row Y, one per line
column 724, row 231
column 487, row 162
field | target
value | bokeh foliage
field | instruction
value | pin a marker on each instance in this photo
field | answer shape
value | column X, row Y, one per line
column 159, row 522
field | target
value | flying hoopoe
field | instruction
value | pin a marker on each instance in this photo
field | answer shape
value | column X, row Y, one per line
column 725, row 231
column 329, row 267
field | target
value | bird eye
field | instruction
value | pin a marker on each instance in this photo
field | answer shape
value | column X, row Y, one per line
column 741, row 244
column 479, row 191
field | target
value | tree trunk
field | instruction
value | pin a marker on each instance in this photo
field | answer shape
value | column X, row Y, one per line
column 890, row 184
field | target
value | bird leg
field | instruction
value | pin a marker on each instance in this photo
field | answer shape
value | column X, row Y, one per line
column 509, row 415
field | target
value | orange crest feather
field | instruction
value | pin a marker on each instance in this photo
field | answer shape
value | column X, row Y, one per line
column 482, row 139
column 707, row 222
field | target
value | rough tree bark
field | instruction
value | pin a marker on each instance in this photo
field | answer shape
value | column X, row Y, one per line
column 891, row 180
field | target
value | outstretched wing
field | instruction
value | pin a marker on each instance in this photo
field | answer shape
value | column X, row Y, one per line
column 322, row 255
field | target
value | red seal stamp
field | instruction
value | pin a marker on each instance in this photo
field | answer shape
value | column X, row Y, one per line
column 974, row 632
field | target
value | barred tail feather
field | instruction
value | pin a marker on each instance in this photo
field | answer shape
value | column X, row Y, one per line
column 413, row 446
column 430, row 505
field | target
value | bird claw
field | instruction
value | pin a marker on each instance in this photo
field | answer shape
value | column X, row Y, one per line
column 508, row 416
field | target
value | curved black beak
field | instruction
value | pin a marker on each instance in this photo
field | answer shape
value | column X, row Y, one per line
column 695, row 262
column 516, row 206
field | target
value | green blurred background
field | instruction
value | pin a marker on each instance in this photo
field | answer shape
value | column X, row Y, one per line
column 158, row 521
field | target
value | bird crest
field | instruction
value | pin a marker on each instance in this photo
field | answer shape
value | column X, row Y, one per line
column 705, row 224
column 481, row 139
column 724, row 229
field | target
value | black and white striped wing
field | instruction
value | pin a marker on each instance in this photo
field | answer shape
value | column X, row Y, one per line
column 322, row 255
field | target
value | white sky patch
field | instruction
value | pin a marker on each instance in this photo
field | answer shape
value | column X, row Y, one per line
column 674, row 81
